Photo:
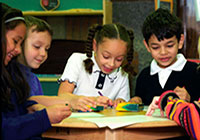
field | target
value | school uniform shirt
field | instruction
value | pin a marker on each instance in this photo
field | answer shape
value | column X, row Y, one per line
column 18, row 125
column 114, row 85
column 153, row 80
column 33, row 81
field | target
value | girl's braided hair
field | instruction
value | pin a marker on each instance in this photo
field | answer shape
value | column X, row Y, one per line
column 110, row 31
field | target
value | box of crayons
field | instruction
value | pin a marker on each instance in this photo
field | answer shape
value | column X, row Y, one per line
column 129, row 106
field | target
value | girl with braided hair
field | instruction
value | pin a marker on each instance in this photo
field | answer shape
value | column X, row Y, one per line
column 104, row 69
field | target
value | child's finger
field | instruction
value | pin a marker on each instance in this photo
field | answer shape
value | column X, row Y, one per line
column 84, row 107
column 137, row 100
column 110, row 102
column 161, row 113
column 89, row 101
column 150, row 112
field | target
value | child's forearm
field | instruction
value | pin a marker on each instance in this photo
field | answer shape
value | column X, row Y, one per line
column 35, row 107
column 49, row 100
column 67, row 96
column 185, row 114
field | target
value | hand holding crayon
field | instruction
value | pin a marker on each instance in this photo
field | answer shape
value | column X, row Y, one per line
column 103, row 100
column 81, row 103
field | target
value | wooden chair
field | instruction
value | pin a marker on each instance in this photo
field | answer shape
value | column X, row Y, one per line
column 157, row 4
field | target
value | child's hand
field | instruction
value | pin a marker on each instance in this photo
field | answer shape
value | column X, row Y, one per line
column 182, row 93
column 57, row 113
column 81, row 102
column 117, row 101
column 153, row 106
column 136, row 100
column 103, row 101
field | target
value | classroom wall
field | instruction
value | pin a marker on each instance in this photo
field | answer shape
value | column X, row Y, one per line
column 34, row 5
column 70, row 27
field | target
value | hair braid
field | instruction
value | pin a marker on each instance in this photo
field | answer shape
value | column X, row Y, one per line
column 131, row 51
column 128, row 67
column 91, row 34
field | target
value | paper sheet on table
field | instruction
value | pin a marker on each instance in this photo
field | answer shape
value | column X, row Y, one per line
column 85, row 114
column 121, row 121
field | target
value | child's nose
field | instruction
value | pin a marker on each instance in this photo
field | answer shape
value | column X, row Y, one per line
column 163, row 51
column 18, row 49
column 43, row 52
column 111, row 63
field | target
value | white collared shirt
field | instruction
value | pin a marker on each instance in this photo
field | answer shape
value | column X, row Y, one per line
column 164, row 74
column 115, row 86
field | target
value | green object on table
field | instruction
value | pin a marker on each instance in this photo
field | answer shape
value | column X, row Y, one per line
column 98, row 108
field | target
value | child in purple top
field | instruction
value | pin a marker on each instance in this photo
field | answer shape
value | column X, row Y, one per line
column 35, row 51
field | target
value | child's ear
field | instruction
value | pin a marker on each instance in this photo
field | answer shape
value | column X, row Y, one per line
column 146, row 45
column 94, row 45
column 181, row 41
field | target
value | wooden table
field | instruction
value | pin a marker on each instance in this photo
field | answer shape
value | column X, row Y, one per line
column 76, row 129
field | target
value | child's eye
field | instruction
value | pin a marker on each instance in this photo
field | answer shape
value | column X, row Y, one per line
column 37, row 47
column 15, row 41
column 106, row 57
column 120, row 60
column 154, row 48
column 170, row 46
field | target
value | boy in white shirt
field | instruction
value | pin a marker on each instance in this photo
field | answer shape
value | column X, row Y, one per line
column 169, row 70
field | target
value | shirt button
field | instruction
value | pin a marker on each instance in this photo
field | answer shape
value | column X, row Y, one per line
column 99, row 85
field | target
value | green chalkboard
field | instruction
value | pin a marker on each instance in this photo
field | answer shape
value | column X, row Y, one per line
column 34, row 5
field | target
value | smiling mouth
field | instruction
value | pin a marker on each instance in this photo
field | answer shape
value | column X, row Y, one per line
column 10, row 56
column 164, row 59
column 38, row 61
column 108, row 70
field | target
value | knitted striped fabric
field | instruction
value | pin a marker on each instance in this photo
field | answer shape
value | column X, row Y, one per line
column 183, row 113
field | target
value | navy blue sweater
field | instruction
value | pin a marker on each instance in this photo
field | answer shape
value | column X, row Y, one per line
column 18, row 125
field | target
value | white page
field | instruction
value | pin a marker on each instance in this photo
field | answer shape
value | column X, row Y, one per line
column 121, row 121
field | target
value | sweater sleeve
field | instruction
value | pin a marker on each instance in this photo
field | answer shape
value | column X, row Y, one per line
column 25, row 126
column 141, row 87
column 35, row 85
column 183, row 113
